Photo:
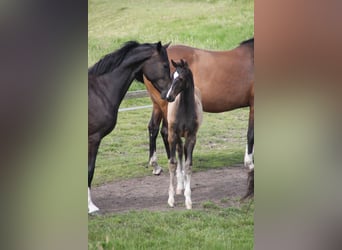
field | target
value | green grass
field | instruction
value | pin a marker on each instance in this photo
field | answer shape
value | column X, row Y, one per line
column 213, row 228
column 208, row 24
column 218, row 25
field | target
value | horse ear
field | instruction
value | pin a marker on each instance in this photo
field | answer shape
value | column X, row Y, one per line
column 167, row 45
column 186, row 64
column 183, row 63
column 159, row 46
column 174, row 63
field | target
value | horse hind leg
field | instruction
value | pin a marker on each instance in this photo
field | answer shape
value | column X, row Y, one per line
column 248, row 161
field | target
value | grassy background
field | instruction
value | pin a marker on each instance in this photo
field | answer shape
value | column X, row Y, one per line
column 210, row 24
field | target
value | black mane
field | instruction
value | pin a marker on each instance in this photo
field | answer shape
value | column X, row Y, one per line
column 110, row 61
column 249, row 41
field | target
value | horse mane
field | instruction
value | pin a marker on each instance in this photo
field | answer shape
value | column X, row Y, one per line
column 248, row 42
column 112, row 60
column 250, row 45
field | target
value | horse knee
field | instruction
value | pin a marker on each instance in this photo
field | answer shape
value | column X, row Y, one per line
column 164, row 132
column 153, row 130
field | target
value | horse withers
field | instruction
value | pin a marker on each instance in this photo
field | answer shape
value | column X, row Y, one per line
column 108, row 82
column 184, row 118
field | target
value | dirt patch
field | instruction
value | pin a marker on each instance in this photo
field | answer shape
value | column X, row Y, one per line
column 223, row 186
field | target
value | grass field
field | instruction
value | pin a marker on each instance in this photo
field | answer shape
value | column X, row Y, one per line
column 210, row 24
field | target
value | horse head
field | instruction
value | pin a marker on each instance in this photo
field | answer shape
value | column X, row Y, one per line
column 180, row 79
column 157, row 68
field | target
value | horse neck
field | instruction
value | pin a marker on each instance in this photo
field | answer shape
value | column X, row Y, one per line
column 116, row 83
column 187, row 97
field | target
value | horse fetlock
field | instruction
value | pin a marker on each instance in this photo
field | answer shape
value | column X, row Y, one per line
column 173, row 166
column 91, row 206
column 188, row 203
column 156, row 169
column 171, row 200
column 179, row 189
column 249, row 164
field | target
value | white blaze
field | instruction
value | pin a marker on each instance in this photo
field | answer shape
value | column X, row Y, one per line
column 175, row 75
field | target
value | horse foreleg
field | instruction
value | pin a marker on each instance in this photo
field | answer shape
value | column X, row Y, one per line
column 180, row 172
column 173, row 140
column 250, row 141
column 172, row 170
column 153, row 128
column 164, row 134
column 93, row 146
column 188, row 150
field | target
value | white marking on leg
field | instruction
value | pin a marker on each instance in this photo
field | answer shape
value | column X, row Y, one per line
column 249, row 158
column 251, row 166
column 153, row 158
column 180, row 178
column 91, row 206
column 187, row 192
column 171, row 200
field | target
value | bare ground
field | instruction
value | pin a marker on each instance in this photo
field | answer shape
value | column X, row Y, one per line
column 223, row 187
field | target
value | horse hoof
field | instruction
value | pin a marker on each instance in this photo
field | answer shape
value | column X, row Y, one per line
column 189, row 206
column 171, row 203
column 93, row 209
column 157, row 170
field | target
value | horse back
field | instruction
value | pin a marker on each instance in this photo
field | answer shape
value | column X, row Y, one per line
column 225, row 78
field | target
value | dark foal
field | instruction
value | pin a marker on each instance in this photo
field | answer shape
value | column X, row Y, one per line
column 108, row 82
column 184, row 118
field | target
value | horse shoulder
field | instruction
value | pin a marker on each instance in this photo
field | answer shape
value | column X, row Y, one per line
column 172, row 108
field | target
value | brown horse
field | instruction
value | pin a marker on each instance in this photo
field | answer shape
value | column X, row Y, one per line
column 226, row 82
column 184, row 116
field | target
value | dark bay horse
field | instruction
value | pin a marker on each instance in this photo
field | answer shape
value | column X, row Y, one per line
column 184, row 116
column 226, row 82
column 108, row 82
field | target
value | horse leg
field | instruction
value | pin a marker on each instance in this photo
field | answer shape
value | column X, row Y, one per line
column 93, row 146
column 173, row 141
column 153, row 128
column 249, row 155
column 250, row 141
column 164, row 134
column 180, row 172
column 188, row 150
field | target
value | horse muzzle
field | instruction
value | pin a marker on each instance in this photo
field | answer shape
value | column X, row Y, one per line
column 170, row 98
